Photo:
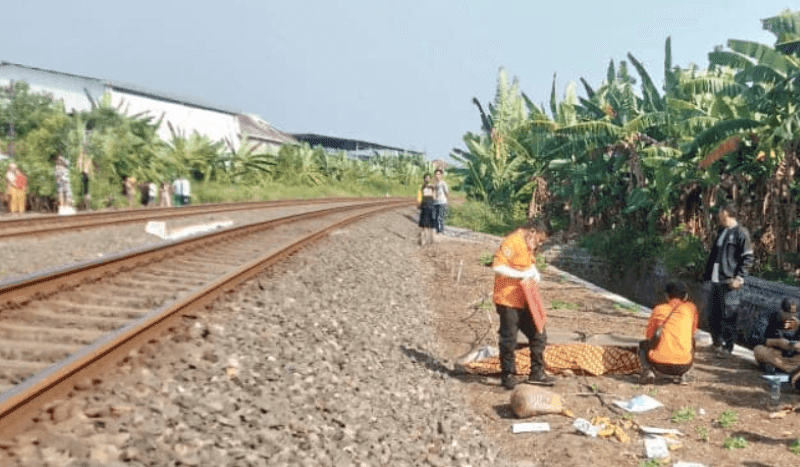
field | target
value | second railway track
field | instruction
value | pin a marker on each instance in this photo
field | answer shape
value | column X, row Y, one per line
column 13, row 227
column 54, row 327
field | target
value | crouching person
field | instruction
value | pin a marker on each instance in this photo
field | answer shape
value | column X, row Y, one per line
column 669, row 345
column 776, row 335
column 513, row 262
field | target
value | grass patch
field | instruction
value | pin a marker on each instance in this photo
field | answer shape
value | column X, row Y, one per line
column 727, row 418
column 625, row 307
column 702, row 432
column 683, row 415
column 562, row 305
column 736, row 442
column 486, row 258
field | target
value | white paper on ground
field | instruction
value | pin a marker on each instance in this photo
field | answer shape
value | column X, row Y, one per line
column 779, row 378
column 530, row 427
column 651, row 430
column 641, row 403
column 585, row 427
column 655, row 448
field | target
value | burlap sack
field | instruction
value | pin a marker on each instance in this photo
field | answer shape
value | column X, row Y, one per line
column 528, row 400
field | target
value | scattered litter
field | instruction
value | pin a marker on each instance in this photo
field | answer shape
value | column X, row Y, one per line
column 608, row 428
column 585, row 427
column 530, row 427
column 528, row 400
column 638, row 404
column 783, row 412
column 702, row 411
column 651, row 430
column 655, row 448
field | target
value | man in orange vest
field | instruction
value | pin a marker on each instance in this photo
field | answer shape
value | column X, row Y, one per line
column 513, row 262
column 669, row 348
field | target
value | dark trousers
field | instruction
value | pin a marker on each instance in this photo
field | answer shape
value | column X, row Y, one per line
column 439, row 211
column 664, row 368
column 513, row 320
column 723, row 311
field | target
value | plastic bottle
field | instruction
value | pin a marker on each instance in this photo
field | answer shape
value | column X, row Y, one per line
column 774, row 392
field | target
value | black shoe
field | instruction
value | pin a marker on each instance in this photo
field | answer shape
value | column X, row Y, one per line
column 509, row 382
column 539, row 377
column 647, row 377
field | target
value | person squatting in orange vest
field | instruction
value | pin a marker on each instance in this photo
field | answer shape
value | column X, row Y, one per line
column 669, row 345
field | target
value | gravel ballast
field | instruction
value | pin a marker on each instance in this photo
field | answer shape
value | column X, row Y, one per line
column 329, row 359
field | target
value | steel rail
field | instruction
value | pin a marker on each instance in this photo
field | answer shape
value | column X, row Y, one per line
column 15, row 293
column 51, row 223
column 21, row 405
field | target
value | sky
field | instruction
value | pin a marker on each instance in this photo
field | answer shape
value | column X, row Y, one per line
column 399, row 73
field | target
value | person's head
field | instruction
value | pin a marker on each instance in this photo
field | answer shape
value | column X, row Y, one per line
column 727, row 214
column 12, row 167
column 438, row 174
column 788, row 309
column 426, row 178
column 676, row 289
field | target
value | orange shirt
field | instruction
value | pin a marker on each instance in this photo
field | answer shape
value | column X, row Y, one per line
column 514, row 253
column 675, row 347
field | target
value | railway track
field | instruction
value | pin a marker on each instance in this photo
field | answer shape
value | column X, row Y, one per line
column 52, row 224
column 62, row 328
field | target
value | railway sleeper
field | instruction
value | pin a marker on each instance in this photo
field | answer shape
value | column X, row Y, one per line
column 28, row 351
column 52, row 318
column 107, row 311
column 48, row 334
column 95, row 297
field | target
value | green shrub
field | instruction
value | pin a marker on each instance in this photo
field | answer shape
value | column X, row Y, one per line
column 737, row 442
column 727, row 418
column 683, row 415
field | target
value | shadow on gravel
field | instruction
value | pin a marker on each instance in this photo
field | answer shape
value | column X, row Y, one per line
column 761, row 439
column 437, row 367
column 504, row 411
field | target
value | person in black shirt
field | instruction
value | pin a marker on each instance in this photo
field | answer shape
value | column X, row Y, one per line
column 775, row 336
column 728, row 265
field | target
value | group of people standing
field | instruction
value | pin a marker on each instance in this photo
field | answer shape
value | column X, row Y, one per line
column 164, row 194
column 432, row 200
column 669, row 345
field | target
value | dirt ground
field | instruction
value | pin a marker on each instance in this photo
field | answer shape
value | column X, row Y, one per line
column 459, row 289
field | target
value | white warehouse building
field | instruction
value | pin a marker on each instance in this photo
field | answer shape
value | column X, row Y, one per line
column 183, row 116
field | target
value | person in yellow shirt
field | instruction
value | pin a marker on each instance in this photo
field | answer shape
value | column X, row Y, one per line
column 514, row 261
column 670, row 351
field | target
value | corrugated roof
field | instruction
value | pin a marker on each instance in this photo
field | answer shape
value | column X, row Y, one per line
column 345, row 143
column 256, row 128
column 135, row 89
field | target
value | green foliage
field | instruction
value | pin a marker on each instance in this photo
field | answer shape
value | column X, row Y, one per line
column 702, row 432
column 727, row 418
column 641, row 247
column 684, row 254
column 683, row 415
column 487, row 258
column 482, row 217
column 795, row 447
column 736, row 442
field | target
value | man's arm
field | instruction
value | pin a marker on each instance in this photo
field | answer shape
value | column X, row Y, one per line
column 508, row 271
column 747, row 257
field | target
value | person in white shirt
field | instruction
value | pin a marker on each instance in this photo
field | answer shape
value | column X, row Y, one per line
column 440, row 200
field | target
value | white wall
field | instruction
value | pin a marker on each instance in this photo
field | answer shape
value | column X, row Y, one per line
column 186, row 119
column 64, row 88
